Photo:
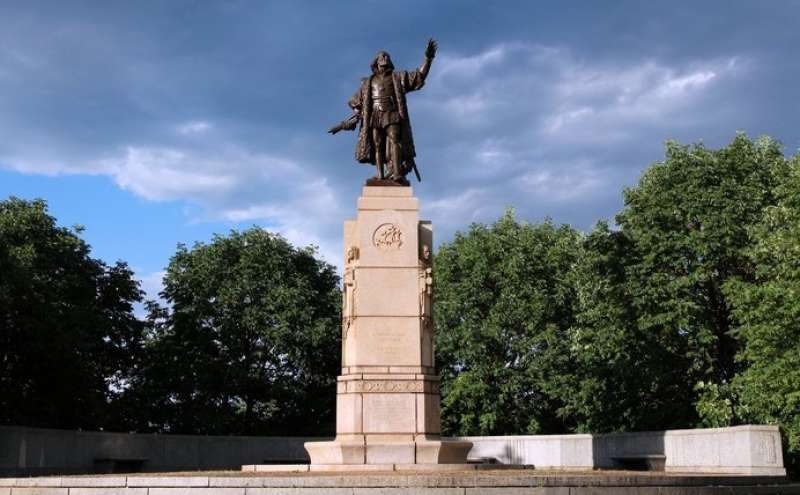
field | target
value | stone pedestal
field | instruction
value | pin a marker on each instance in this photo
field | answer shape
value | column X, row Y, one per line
column 387, row 403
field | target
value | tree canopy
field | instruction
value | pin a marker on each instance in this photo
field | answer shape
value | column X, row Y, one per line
column 69, row 340
column 503, row 304
column 766, row 318
column 651, row 292
column 682, row 315
column 249, row 342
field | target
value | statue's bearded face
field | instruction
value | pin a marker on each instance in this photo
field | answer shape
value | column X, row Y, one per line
column 382, row 63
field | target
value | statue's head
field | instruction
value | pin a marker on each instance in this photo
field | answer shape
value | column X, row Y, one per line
column 382, row 63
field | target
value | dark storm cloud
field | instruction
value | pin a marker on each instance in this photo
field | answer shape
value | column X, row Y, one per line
column 551, row 107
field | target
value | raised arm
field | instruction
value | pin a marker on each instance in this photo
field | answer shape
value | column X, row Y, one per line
column 430, row 53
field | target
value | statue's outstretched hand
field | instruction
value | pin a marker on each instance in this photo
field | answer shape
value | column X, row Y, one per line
column 430, row 50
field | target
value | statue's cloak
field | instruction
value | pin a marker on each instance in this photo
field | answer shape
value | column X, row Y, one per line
column 404, row 82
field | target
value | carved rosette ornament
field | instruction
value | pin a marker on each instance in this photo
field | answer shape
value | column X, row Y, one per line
column 387, row 237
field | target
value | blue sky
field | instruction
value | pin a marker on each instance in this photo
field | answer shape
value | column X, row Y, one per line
column 154, row 123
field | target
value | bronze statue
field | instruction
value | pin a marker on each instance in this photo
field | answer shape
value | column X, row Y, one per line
column 385, row 138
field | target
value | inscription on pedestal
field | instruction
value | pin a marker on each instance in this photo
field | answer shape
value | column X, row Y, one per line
column 387, row 292
column 389, row 413
column 385, row 341
column 389, row 344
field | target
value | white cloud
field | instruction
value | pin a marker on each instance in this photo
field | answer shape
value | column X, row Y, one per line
column 304, row 217
column 538, row 125
column 467, row 106
column 563, row 185
column 608, row 100
column 464, row 201
column 557, row 94
column 557, row 120
column 219, row 180
column 233, row 185
column 676, row 85
column 164, row 174
column 471, row 65
column 451, row 212
column 194, row 127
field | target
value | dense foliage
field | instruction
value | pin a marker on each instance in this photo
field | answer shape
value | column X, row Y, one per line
column 651, row 293
column 503, row 307
column 68, row 338
column 248, row 345
column 683, row 315
column 767, row 320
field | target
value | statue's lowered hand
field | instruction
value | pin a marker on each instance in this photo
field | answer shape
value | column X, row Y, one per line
column 430, row 50
column 347, row 124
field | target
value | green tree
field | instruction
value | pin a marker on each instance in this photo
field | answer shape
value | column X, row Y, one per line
column 249, row 343
column 767, row 317
column 623, row 377
column 503, row 304
column 68, row 336
column 654, row 329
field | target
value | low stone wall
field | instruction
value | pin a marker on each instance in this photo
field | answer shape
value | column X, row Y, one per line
column 747, row 449
column 750, row 449
column 542, row 451
column 38, row 451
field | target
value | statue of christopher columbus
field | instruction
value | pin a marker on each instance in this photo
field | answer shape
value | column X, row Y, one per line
column 385, row 138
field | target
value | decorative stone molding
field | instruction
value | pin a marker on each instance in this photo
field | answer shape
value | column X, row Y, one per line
column 350, row 371
column 388, row 386
column 387, row 237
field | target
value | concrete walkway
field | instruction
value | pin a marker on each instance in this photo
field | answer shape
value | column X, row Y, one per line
column 485, row 481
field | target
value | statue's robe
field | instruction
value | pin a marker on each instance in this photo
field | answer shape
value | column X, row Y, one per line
column 404, row 82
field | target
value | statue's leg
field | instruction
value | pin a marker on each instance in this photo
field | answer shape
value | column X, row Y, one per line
column 395, row 150
column 378, row 143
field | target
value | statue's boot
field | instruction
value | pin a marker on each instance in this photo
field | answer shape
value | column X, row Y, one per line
column 399, row 179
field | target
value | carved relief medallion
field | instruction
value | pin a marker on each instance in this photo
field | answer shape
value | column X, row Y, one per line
column 387, row 237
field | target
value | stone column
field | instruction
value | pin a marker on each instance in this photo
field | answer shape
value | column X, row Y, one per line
column 387, row 403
